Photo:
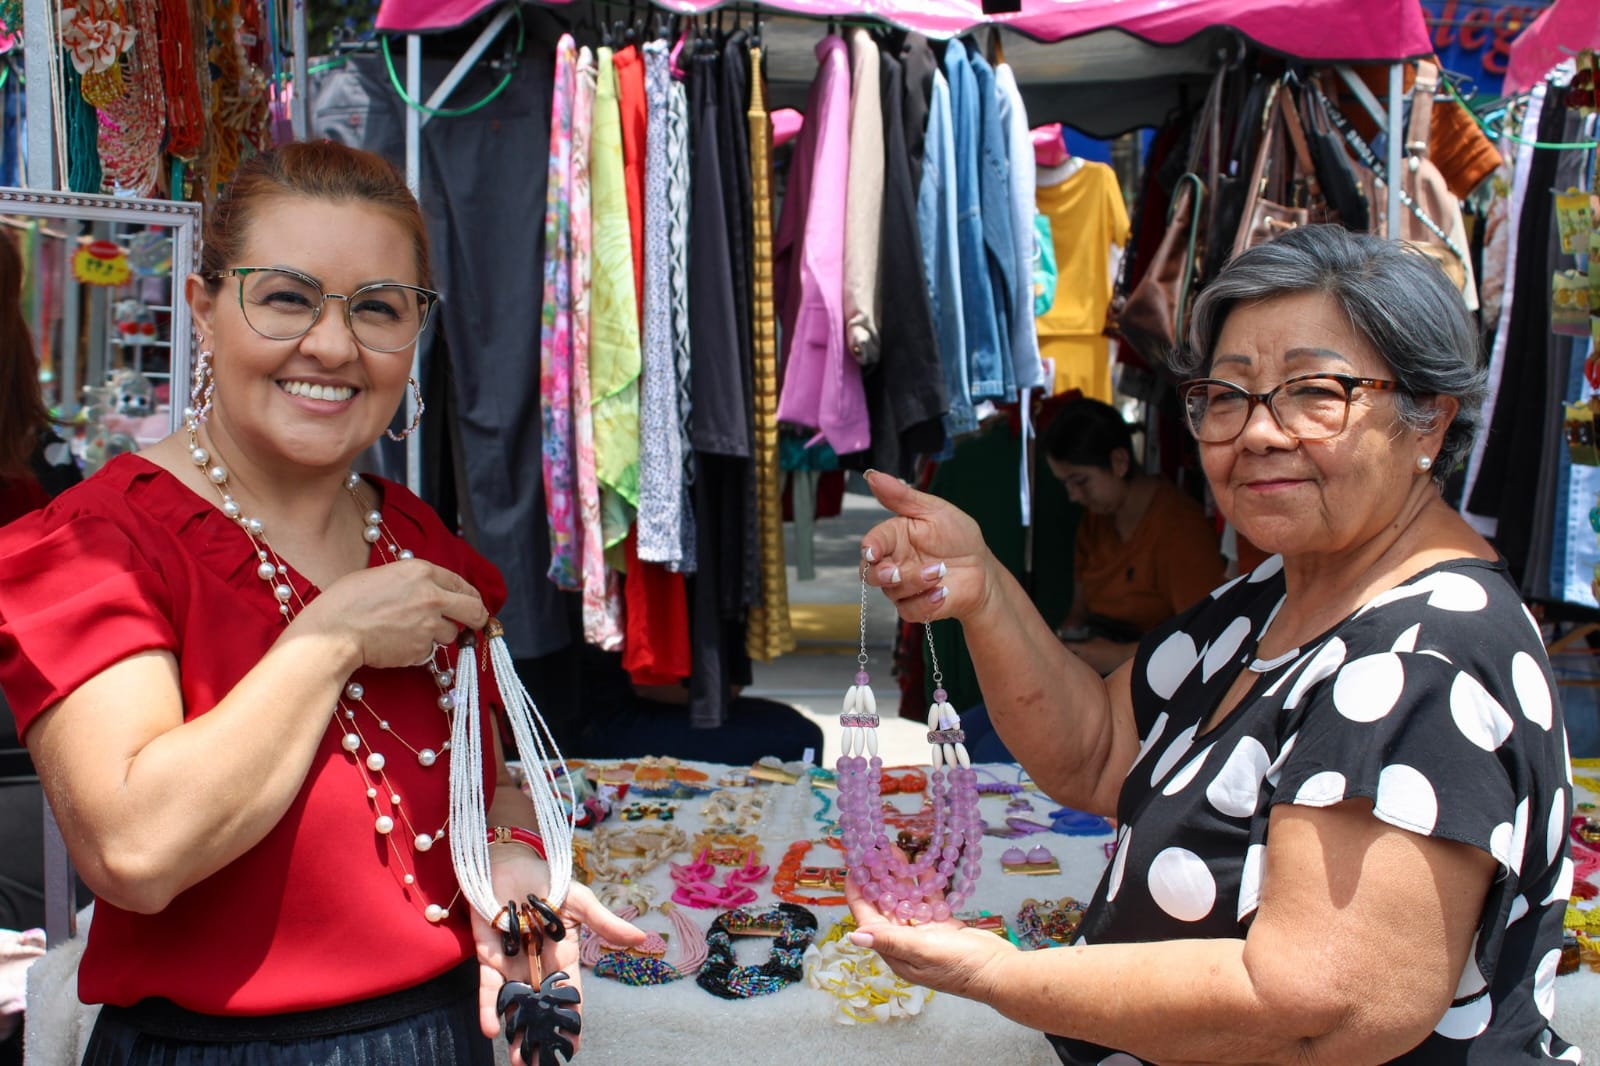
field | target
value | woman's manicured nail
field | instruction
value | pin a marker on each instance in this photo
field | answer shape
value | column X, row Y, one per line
column 889, row 575
column 860, row 939
column 934, row 573
column 938, row 595
column 868, row 554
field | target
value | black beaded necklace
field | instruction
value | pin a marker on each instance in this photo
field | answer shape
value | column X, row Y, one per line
column 796, row 928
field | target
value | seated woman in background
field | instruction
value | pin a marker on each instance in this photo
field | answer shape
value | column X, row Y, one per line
column 1145, row 550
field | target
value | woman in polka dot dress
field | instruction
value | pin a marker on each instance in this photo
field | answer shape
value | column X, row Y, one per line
column 1341, row 780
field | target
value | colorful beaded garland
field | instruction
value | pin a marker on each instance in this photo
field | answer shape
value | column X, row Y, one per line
column 796, row 928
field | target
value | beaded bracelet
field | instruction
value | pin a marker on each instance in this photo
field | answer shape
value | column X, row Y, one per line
column 795, row 927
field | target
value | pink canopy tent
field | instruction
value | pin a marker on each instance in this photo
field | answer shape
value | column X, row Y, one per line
column 1572, row 24
column 1317, row 30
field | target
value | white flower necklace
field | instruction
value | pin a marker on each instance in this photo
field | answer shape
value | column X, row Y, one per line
column 384, row 798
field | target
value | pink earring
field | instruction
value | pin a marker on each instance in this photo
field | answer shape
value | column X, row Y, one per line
column 416, row 418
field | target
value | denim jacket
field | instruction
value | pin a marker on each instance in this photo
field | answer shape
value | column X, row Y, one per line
column 985, row 373
column 994, row 197
column 941, row 258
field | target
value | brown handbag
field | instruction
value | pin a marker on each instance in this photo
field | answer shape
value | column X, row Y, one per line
column 1283, row 192
column 1432, row 221
column 1155, row 313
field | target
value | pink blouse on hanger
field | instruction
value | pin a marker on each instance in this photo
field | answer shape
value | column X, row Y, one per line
column 821, row 383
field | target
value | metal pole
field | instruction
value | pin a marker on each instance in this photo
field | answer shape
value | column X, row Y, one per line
column 38, row 22
column 300, row 113
column 60, row 890
column 1396, row 143
column 414, row 180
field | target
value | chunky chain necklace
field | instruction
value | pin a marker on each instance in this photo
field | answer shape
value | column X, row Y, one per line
column 385, row 801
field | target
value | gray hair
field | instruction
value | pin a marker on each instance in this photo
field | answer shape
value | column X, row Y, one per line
column 1394, row 295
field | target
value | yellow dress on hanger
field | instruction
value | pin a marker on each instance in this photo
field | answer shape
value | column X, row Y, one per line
column 1087, row 216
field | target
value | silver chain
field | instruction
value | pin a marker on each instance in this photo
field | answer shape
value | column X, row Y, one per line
column 861, row 655
column 933, row 656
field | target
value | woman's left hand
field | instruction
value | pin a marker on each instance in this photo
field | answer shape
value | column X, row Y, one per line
column 945, row 956
column 514, row 877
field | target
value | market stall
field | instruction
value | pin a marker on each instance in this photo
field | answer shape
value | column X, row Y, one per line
column 832, row 1003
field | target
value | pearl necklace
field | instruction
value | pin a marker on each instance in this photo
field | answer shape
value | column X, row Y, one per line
column 271, row 569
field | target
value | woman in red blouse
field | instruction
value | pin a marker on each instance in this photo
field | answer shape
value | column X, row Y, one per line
column 273, row 882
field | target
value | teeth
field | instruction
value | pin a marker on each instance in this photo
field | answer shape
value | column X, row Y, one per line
column 335, row 393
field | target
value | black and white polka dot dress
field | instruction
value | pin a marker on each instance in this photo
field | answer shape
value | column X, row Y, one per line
column 1434, row 701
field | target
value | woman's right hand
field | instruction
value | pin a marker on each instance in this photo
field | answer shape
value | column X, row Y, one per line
column 393, row 615
column 930, row 559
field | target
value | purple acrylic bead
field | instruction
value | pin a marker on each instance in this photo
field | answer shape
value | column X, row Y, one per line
column 862, row 678
column 940, row 696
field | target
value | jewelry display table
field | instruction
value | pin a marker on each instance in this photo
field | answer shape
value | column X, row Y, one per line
column 682, row 1022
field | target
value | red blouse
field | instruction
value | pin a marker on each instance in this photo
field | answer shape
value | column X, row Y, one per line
column 317, row 913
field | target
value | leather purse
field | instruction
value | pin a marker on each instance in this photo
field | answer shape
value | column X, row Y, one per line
column 1284, row 191
column 1432, row 221
column 1154, row 315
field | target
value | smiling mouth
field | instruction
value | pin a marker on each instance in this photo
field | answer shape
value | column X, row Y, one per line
column 309, row 391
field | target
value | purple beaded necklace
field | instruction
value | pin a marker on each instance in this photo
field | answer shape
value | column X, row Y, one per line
column 942, row 876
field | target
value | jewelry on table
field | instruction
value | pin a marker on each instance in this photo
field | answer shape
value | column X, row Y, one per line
column 727, row 849
column 942, row 876
column 866, row 989
column 666, row 774
column 822, row 781
column 1073, row 823
column 732, row 811
column 637, row 810
column 647, row 964
column 793, row 874
column 1037, row 860
column 989, row 922
column 792, row 928
column 697, row 887
column 996, row 787
column 1048, row 923
column 650, row 845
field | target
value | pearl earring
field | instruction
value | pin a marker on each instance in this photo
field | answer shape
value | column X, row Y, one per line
column 1424, row 463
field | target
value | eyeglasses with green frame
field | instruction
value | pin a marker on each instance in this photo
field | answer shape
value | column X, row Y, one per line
column 1307, row 407
column 283, row 305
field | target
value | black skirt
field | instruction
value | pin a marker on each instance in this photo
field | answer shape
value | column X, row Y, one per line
column 432, row 1024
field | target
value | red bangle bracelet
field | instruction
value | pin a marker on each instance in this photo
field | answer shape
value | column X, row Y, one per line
column 515, row 834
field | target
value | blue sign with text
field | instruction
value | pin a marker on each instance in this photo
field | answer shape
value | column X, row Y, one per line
column 1473, row 37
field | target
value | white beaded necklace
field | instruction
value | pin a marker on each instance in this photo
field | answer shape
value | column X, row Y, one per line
column 271, row 569
column 556, row 810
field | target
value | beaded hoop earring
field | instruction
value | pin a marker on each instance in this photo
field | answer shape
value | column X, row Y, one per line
column 416, row 417
column 200, row 389
column 942, row 876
